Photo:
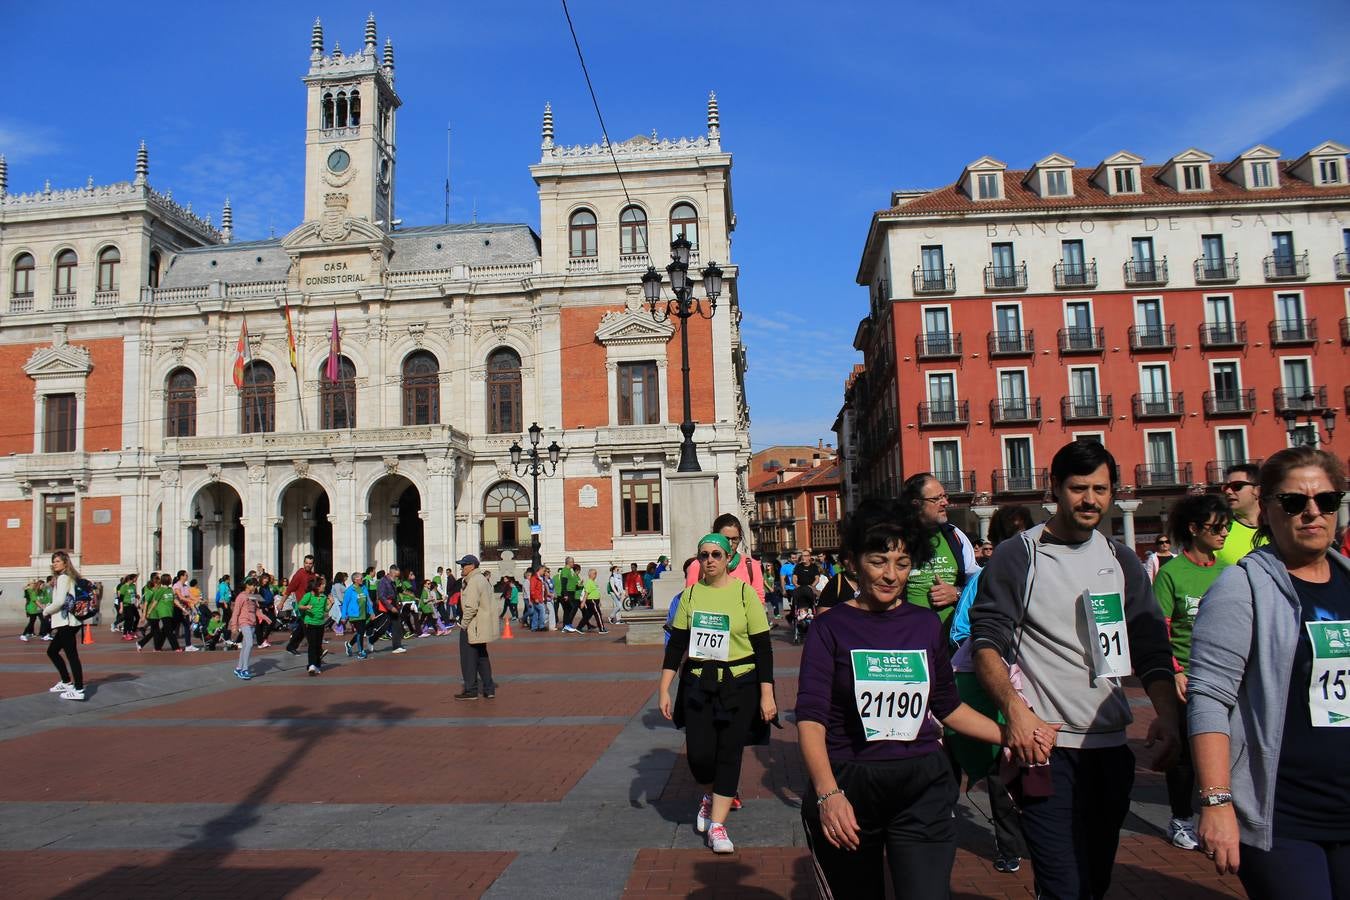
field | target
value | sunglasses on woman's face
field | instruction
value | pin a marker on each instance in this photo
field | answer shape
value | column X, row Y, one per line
column 1216, row 527
column 711, row 554
column 1327, row 502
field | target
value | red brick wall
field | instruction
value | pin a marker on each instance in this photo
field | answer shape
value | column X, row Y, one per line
column 588, row 529
column 100, row 544
column 15, row 543
column 101, row 416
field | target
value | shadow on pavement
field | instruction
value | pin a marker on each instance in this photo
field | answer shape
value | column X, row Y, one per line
column 204, row 860
column 725, row 880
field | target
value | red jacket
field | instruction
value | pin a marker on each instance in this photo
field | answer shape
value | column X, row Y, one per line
column 632, row 583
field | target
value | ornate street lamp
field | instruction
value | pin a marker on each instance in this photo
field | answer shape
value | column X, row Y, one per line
column 1307, row 403
column 536, row 466
column 683, row 307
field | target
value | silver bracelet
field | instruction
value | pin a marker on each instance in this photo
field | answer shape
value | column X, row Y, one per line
column 821, row 798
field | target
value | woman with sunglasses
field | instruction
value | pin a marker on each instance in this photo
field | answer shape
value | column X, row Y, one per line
column 725, row 697
column 1269, row 693
column 1199, row 524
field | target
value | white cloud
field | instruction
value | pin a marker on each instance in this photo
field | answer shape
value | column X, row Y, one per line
column 20, row 143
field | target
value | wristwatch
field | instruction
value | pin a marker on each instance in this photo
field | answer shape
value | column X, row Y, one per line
column 1219, row 798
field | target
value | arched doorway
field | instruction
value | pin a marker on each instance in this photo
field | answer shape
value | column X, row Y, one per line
column 394, row 528
column 506, row 520
column 217, row 536
column 304, row 528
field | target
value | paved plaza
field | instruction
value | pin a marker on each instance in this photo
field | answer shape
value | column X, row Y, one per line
column 175, row 779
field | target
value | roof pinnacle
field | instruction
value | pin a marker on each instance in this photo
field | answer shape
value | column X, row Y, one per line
column 547, row 131
column 316, row 39
column 372, row 39
column 142, row 164
column 714, row 118
column 226, row 223
column 4, row 175
column 389, row 54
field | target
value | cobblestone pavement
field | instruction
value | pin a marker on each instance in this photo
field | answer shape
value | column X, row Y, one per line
column 175, row 779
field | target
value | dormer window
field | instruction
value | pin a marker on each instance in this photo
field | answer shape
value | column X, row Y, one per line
column 1124, row 180
column 1119, row 173
column 1193, row 177
column 1329, row 171
column 1322, row 166
column 1057, row 183
column 983, row 179
column 1261, row 177
column 987, row 186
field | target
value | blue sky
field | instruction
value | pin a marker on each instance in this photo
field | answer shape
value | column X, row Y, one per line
column 826, row 108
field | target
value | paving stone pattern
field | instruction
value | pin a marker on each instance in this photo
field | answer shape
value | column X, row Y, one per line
column 175, row 779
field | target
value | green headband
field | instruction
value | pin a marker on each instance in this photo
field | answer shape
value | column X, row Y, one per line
column 734, row 558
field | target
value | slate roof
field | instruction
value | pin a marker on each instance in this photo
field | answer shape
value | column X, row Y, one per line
column 419, row 247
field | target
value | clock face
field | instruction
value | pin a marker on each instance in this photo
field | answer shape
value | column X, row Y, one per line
column 338, row 161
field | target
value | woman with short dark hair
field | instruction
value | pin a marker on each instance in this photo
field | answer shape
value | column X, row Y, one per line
column 1267, row 693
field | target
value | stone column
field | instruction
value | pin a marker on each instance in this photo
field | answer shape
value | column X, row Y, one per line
column 439, row 522
column 173, row 527
column 984, row 514
column 1127, row 511
column 257, row 522
column 345, row 544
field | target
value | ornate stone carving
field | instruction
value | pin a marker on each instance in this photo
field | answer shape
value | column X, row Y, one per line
column 301, row 467
column 213, row 471
column 257, row 474
column 390, row 465
column 335, row 224
column 499, row 326
column 632, row 327
column 344, row 469
column 417, row 331
column 438, row 465
column 169, row 477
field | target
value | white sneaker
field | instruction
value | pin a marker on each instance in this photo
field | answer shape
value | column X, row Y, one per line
column 46, row 637
column 704, row 815
column 25, row 638
column 73, row 694
column 191, row 649
column 718, row 840
column 1182, row 834
column 60, row 687
column 400, row 650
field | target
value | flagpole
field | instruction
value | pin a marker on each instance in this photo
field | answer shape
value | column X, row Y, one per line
column 294, row 354
column 334, row 349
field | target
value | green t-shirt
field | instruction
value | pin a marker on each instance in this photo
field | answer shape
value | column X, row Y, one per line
column 1179, row 587
column 317, row 614
column 736, row 601
column 424, row 602
column 592, row 589
column 31, row 605
column 162, row 606
column 920, row 580
column 567, row 580
column 126, row 594
column 1238, row 543
column 213, row 627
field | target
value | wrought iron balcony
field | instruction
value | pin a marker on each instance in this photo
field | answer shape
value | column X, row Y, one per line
column 1082, row 339
column 1286, row 266
column 1016, row 409
column 1020, row 481
column 1293, row 331
column 1070, row 275
column 1214, row 271
column 1012, row 343
column 1215, row 468
column 937, row 345
column 1156, row 475
column 825, row 536
column 1139, row 272
column 956, row 484
column 1153, row 337
column 1230, row 402
column 493, row 551
column 1311, row 399
column 1158, row 406
column 1223, row 334
column 935, row 281
column 1341, row 262
column 1005, row 278
column 1085, row 407
column 943, row 413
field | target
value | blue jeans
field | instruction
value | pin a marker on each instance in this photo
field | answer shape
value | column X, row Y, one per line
column 538, row 617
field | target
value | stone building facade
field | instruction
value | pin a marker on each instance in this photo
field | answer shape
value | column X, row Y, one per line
column 122, row 311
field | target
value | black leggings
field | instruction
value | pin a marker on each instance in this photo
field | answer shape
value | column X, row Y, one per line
column 315, row 635
column 66, row 640
column 159, row 631
column 903, row 807
column 37, row 622
column 715, row 747
column 131, row 618
column 1295, row 868
column 1181, row 777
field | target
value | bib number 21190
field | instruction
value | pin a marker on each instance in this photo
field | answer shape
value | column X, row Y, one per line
column 890, row 688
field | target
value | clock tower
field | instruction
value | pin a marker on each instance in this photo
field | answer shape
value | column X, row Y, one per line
column 349, row 132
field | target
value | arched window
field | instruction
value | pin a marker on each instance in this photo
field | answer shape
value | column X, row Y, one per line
column 421, row 389
column 684, row 223
column 503, row 385
column 337, row 399
column 341, row 117
column 328, row 110
column 108, row 262
column 582, row 229
column 66, row 262
column 152, row 278
column 22, row 285
column 506, row 519
column 258, row 399
column 180, row 404
column 632, row 231
column 354, row 109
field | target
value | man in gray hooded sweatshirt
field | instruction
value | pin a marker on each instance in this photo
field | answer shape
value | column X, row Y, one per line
column 1073, row 609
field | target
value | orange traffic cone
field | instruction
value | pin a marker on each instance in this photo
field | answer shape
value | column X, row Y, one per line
column 88, row 633
column 506, row 630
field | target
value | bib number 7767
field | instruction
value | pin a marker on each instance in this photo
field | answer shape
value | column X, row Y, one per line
column 710, row 636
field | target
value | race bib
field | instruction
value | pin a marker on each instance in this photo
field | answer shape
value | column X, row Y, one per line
column 710, row 636
column 1105, row 614
column 1329, row 689
column 1192, row 606
column 890, row 688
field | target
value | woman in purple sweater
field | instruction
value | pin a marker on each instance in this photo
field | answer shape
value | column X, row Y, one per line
column 875, row 689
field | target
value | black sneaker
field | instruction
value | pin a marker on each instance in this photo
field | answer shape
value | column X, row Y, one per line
column 1007, row 864
column 466, row 695
column 490, row 695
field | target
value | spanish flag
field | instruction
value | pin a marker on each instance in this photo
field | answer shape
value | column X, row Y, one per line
column 290, row 338
column 241, row 355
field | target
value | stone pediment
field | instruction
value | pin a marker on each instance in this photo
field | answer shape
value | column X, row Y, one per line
column 324, row 234
column 633, row 327
column 60, row 360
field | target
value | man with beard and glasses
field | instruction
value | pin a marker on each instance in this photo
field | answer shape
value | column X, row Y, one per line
column 1090, row 622
column 1242, row 489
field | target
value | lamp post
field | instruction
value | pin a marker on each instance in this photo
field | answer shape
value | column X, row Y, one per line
column 533, row 463
column 1307, row 403
column 683, row 307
